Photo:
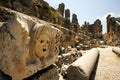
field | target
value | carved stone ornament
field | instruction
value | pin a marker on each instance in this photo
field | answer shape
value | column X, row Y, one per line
column 27, row 45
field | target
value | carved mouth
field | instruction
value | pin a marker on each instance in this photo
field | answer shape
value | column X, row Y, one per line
column 44, row 50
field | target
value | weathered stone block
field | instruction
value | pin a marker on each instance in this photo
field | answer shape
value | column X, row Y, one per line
column 27, row 45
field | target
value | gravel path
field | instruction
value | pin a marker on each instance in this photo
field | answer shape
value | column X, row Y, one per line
column 108, row 67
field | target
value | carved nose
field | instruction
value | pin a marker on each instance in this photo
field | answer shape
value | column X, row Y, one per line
column 45, row 45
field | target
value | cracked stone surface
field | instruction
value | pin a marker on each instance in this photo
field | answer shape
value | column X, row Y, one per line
column 27, row 45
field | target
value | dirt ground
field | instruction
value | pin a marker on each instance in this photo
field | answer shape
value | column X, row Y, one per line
column 108, row 67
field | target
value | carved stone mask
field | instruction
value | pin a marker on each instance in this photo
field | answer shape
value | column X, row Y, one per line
column 42, row 45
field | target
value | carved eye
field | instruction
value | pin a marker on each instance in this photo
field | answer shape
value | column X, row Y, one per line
column 47, row 42
column 41, row 41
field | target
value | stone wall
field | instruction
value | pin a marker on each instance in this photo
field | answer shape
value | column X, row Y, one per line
column 95, row 29
column 35, row 8
column 113, row 30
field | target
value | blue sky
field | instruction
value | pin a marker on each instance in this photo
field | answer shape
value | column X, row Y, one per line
column 90, row 10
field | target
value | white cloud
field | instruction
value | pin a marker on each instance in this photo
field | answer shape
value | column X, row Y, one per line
column 103, row 19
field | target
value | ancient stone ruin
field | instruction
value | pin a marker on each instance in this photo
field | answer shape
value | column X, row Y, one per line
column 95, row 29
column 113, row 30
column 38, row 42
column 67, row 19
column 35, row 8
column 74, row 24
column 27, row 45
column 61, row 8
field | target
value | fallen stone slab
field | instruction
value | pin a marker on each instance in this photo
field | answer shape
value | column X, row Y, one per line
column 81, row 69
column 116, row 50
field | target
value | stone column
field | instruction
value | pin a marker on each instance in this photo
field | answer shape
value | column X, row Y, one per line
column 97, row 32
column 108, row 23
column 116, row 50
column 61, row 8
column 67, row 18
column 81, row 69
column 67, row 13
column 74, row 24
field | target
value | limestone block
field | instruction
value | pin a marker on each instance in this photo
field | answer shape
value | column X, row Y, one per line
column 27, row 45
column 116, row 50
column 81, row 69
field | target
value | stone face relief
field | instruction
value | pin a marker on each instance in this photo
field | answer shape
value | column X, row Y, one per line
column 40, row 39
column 26, row 47
column 42, row 46
column 45, row 41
